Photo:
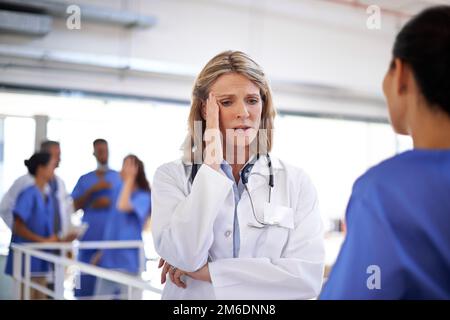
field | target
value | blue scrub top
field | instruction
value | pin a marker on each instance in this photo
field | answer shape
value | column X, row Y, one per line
column 126, row 226
column 38, row 216
column 96, row 218
column 398, row 224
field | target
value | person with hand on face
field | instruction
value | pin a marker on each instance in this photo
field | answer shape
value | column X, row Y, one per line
column 130, row 210
column 398, row 219
column 129, row 213
column 34, row 217
column 229, row 220
column 93, row 194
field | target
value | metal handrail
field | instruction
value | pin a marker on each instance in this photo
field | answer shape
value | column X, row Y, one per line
column 32, row 249
column 87, row 245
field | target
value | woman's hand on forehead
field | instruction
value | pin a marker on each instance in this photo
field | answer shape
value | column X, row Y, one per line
column 213, row 151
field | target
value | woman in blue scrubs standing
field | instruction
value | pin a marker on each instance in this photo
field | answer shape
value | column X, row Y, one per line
column 34, row 216
column 130, row 210
column 398, row 217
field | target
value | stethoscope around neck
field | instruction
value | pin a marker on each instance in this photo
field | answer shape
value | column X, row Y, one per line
column 245, row 173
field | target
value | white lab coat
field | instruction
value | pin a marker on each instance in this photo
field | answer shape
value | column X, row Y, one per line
column 9, row 200
column 192, row 225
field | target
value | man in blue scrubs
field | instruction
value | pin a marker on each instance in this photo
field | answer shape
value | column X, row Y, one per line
column 93, row 194
column 398, row 240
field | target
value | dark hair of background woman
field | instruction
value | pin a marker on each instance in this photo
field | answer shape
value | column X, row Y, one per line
column 36, row 160
column 424, row 44
column 141, row 179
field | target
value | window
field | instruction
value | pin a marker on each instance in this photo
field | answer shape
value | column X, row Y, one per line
column 333, row 153
column 154, row 132
column 17, row 145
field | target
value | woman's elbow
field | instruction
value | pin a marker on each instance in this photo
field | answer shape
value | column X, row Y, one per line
column 182, row 257
column 186, row 262
column 314, row 285
column 192, row 263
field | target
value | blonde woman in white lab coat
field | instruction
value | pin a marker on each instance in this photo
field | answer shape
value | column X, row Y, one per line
column 229, row 220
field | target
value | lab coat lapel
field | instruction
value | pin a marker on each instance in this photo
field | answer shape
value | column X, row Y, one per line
column 259, row 176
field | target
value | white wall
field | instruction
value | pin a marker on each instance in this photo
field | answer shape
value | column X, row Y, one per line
column 297, row 43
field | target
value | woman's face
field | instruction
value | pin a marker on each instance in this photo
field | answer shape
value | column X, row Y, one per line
column 240, row 107
column 48, row 171
column 130, row 167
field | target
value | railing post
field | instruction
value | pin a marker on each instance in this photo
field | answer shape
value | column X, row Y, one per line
column 141, row 259
column 17, row 272
column 32, row 251
column 59, row 277
column 27, row 276
column 63, row 252
column 59, row 281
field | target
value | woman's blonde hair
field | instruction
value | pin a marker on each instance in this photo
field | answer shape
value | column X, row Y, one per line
column 225, row 63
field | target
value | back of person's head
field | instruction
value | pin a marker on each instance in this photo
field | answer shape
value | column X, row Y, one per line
column 38, row 159
column 424, row 44
column 47, row 144
column 99, row 141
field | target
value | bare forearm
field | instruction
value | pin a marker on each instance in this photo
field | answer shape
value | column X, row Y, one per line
column 124, row 201
column 22, row 230
column 81, row 202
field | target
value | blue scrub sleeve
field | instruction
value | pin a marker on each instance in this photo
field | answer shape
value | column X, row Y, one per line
column 79, row 189
column 370, row 246
column 141, row 203
column 24, row 205
column 116, row 193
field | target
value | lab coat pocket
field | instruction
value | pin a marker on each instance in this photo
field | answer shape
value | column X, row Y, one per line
column 277, row 215
column 279, row 220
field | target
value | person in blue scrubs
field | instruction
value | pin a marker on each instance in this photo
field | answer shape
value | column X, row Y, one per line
column 34, row 216
column 127, row 217
column 93, row 193
column 398, row 240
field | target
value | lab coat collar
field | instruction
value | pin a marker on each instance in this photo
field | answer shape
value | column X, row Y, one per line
column 260, row 172
column 276, row 164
